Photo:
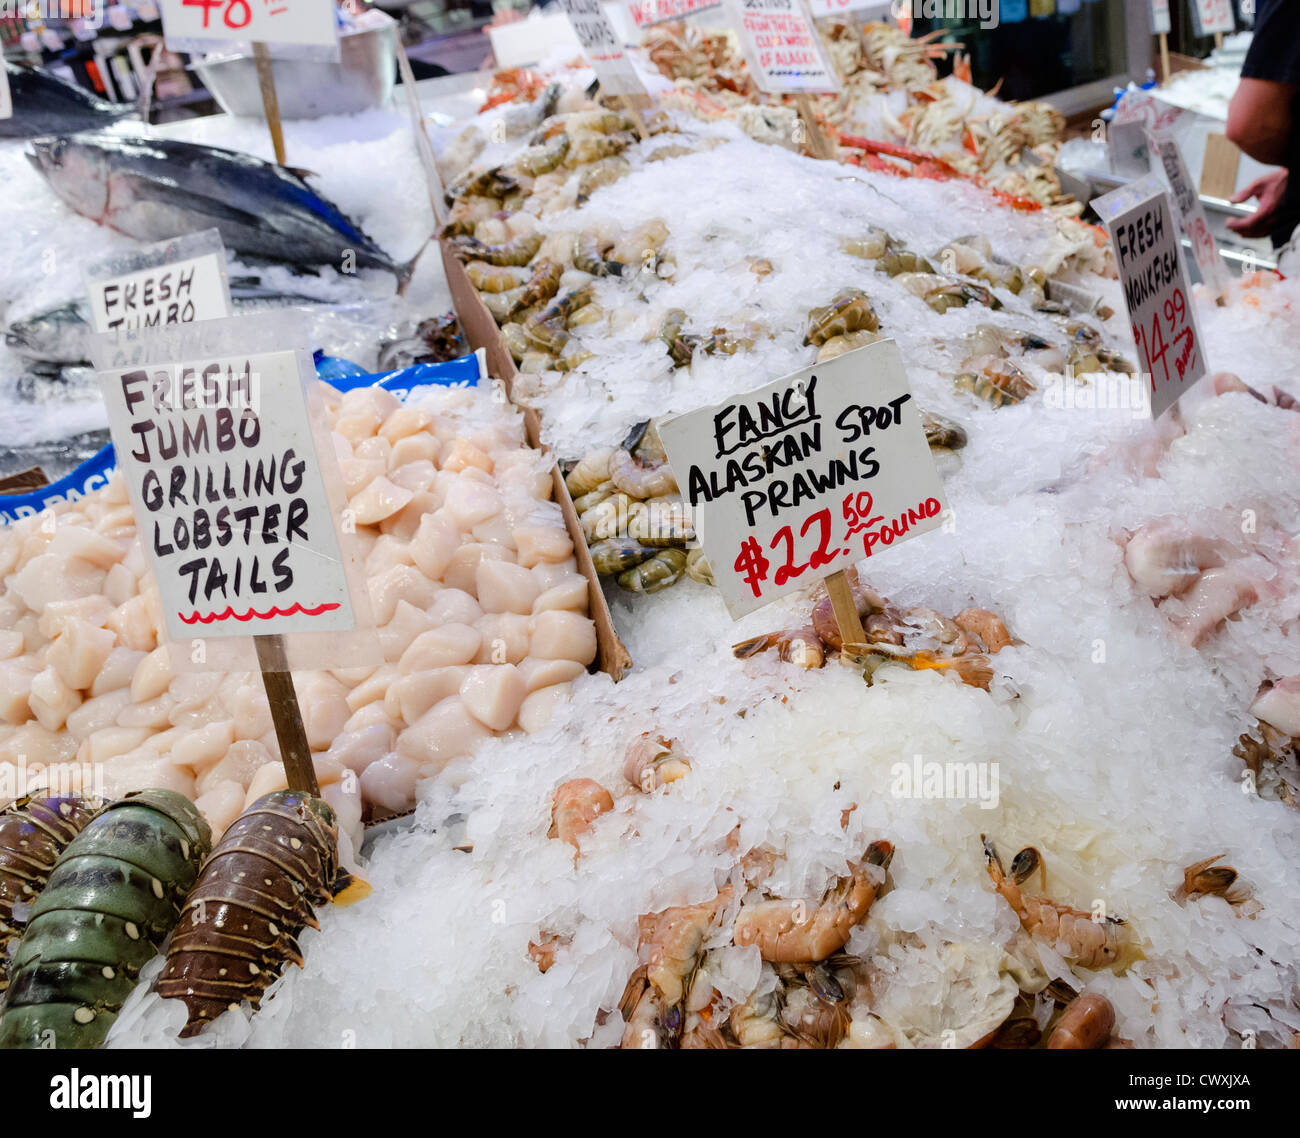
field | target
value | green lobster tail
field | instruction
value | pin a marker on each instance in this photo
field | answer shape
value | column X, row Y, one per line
column 111, row 899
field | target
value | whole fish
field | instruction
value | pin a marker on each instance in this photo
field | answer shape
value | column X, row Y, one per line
column 45, row 104
column 61, row 335
column 157, row 189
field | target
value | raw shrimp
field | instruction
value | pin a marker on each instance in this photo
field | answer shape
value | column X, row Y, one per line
column 801, row 646
column 795, row 931
column 651, row 762
column 1091, row 943
column 577, row 804
column 986, row 626
column 849, row 311
column 543, row 284
column 1085, row 1024
column 655, row 573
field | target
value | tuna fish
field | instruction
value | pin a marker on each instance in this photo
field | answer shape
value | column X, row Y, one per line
column 45, row 104
column 156, row 189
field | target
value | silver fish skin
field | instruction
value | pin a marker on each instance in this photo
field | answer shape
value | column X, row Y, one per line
column 158, row 189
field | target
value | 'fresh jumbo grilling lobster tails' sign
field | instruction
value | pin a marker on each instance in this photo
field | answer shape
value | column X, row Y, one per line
column 804, row 477
column 229, row 499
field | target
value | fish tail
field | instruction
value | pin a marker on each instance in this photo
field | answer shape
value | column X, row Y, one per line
column 407, row 269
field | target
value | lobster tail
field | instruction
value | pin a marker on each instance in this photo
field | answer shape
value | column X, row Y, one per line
column 257, row 892
column 111, row 899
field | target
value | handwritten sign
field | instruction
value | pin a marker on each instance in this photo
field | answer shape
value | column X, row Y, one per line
column 1191, row 215
column 228, row 495
column 648, row 12
column 603, row 48
column 265, row 21
column 173, row 282
column 1156, row 289
column 1210, row 16
column 6, row 99
column 781, row 46
column 1160, row 17
column 806, row 476
column 823, row 9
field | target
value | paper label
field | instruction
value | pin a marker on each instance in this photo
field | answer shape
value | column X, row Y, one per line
column 647, row 12
column 1148, row 253
column 822, row 9
column 603, row 48
column 1210, row 16
column 1191, row 215
column 6, row 99
column 781, row 46
column 1159, row 17
column 1129, row 149
column 807, row 475
column 228, row 495
column 173, row 282
column 265, row 21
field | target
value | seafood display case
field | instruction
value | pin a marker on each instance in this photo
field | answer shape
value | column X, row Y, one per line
column 1022, row 774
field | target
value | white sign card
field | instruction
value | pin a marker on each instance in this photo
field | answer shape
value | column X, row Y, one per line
column 1210, row 16
column 1191, row 215
column 191, row 25
column 826, row 9
column 1129, row 149
column 807, row 475
column 1157, row 293
column 603, row 47
column 1160, row 17
column 6, row 99
column 648, row 12
column 173, row 282
column 229, row 500
column 781, row 46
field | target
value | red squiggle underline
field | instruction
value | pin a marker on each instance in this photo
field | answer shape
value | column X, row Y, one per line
column 198, row 618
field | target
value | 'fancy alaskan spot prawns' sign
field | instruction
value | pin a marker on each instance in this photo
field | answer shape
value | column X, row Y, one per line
column 1157, row 293
column 603, row 47
column 806, row 476
column 781, row 46
column 228, row 496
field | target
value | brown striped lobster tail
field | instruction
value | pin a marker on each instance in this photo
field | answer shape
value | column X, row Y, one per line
column 274, row 864
column 33, row 832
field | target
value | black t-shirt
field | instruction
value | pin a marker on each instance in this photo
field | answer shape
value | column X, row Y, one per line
column 1274, row 55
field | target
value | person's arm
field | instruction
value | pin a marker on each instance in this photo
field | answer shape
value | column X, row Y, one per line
column 1259, row 120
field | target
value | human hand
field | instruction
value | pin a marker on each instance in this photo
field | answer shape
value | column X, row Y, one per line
column 1269, row 190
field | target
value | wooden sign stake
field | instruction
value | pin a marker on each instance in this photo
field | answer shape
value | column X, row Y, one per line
column 817, row 141
column 628, row 103
column 423, row 147
column 270, row 101
column 286, row 714
column 1164, row 57
column 1218, row 41
column 846, row 609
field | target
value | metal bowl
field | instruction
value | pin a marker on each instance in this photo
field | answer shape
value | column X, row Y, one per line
column 361, row 80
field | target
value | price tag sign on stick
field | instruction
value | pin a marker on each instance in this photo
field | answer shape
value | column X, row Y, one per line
column 804, row 477
column 1156, row 289
column 1191, row 216
column 261, row 21
column 1159, row 17
column 231, row 506
column 781, row 46
column 648, row 12
column 174, row 282
column 603, row 48
column 1212, row 17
